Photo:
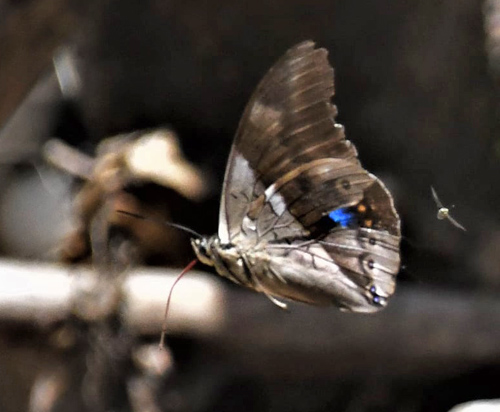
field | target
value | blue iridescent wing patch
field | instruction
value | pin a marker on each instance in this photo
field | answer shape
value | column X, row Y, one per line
column 344, row 216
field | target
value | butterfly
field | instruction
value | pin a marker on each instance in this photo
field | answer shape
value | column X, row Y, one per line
column 300, row 219
column 444, row 212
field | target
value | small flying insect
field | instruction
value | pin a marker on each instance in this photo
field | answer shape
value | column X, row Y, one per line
column 444, row 212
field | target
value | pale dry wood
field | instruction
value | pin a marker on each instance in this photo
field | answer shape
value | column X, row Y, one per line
column 43, row 294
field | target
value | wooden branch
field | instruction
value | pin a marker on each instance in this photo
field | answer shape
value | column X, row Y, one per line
column 44, row 294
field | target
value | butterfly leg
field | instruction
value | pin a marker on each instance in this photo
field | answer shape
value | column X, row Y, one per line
column 279, row 303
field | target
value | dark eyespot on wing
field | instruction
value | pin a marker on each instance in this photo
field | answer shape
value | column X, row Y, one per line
column 366, row 263
column 376, row 298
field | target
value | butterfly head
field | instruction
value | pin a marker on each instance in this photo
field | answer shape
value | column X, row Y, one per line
column 202, row 248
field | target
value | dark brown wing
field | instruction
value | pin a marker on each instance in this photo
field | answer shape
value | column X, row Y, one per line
column 290, row 119
column 288, row 123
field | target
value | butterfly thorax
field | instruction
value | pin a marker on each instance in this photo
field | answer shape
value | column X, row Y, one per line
column 227, row 259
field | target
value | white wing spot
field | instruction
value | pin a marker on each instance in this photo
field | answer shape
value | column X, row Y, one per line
column 262, row 114
column 275, row 199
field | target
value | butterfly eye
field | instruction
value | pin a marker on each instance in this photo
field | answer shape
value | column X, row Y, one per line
column 372, row 241
column 202, row 247
column 202, row 250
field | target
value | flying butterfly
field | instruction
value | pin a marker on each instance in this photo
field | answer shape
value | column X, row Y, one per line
column 300, row 219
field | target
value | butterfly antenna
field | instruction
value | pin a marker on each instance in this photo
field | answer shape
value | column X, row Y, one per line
column 167, row 306
column 162, row 222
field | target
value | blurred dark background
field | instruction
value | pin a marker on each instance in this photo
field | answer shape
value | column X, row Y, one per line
column 416, row 87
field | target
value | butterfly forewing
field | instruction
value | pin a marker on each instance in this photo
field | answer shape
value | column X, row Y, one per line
column 309, row 223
